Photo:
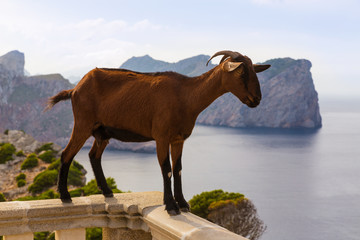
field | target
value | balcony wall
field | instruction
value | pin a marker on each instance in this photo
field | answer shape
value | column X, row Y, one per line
column 125, row 216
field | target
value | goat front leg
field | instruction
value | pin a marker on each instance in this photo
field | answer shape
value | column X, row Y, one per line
column 162, row 150
column 176, row 153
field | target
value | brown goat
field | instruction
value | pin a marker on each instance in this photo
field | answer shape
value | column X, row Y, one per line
column 137, row 107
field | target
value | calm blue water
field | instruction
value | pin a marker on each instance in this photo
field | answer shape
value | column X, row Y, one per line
column 305, row 184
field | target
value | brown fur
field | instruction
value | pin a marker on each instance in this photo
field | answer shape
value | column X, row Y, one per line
column 133, row 106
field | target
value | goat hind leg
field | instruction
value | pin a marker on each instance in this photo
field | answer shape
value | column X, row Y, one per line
column 95, row 160
column 76, row 142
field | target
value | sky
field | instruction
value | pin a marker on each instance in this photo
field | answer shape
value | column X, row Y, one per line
column 73, row 37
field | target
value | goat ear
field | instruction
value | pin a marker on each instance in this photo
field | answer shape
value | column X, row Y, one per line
column 260, row 68
column 230, row 66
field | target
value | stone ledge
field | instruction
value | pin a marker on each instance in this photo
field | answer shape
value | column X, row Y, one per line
column 186, row 226
column 122, row 211
column 133, row 214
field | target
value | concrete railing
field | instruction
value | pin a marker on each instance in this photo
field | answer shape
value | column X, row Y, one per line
column 126, row 216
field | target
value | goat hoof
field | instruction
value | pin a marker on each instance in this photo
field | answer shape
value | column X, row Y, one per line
column 109, row 195
column 66, row 200
column 173, row 212
column 185, row 209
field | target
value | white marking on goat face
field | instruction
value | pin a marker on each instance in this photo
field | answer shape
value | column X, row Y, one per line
column 169, row 174
column 180, row 173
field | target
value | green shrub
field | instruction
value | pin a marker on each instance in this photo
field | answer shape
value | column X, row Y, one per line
column 45, row 147
column 2, row 197
column 200, row 203
column 44, row 236
column 93, row 233
column 6, row 132
column 49, row 194
column 55, row 165
column 20, row 176
column 77, row 165
column 48, row 156
column 30, row 162
column 75, row 176
column 6, row 152
column 21, row 183
column 20, row 154
column 43, row 180
column 92, row 188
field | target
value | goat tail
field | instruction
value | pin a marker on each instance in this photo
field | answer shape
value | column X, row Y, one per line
column 63, row 95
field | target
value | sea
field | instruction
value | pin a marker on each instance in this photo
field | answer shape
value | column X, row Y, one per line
column 304, row 183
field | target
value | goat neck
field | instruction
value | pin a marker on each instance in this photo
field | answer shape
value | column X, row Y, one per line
column 204, row 90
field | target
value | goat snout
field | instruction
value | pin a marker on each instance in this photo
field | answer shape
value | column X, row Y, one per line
column 253, row 101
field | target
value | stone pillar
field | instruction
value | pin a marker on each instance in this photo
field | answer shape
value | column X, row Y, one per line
column 125, row 234
column 70, row 234
column 25, row 236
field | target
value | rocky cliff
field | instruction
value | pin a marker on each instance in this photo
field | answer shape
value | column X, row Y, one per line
column 289, row 100
column 22, row 101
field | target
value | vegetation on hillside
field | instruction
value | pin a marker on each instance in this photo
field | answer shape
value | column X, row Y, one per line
column 6, row 152
column 30, row 162
column 230, row 210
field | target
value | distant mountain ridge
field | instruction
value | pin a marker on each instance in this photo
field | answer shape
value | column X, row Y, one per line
column 191, row 67
column 289, row 99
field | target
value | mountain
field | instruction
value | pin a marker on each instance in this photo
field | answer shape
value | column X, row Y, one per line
column 191, row 67
column 23, row 98
column 289, row 99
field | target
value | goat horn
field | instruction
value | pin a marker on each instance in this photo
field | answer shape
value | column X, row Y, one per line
column 226, row 54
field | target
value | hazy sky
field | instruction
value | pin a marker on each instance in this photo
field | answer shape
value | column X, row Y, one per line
column 72, row 37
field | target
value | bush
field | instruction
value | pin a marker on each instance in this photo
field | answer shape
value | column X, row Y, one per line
column 200, row 203
column 48, row 156
column 49, row 194
column 92, row 188
column 45, row 147
column 43, row 180
column 93, row 233
column 2, row 198
column 6, row 152
column 20, row 154
column 6, row 132
column 20, row 176
column 55, row 165
column 44, row 236
column 30, row 162
column 21, row 183
column 75, row 176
